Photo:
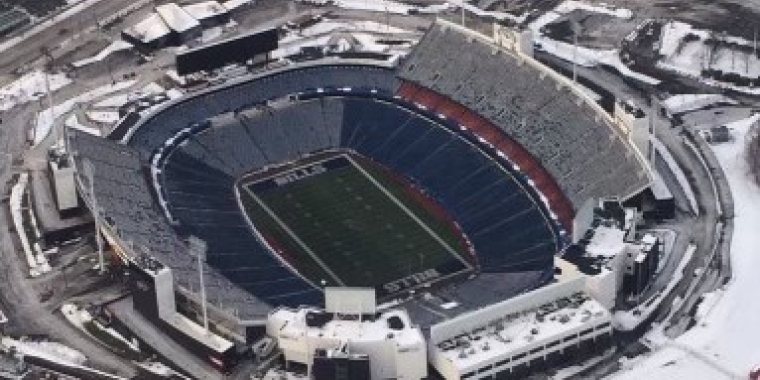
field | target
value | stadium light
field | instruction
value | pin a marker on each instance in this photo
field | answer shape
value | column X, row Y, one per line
column 198, row 249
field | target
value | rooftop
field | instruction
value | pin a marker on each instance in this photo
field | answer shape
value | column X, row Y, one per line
column 521, row 330
column 393, row 324
column 176, row 18
column 149, row 29
column 205, row 9
column 607, row 242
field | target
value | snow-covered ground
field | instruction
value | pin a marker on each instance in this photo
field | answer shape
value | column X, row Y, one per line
column 629, row 320
column 115, row 46
column 359, row 35
column 37, row 263
column 46, row 118
column 690, row 102
column 691, row 57
column 330, row 26
column 52, row 351
column 73, row 122
column 105, row 117
column 583, row 56
column 79, row 317
column 29, row 87
column 724, row 343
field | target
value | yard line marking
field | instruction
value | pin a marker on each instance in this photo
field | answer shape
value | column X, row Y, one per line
column 294, row 236
column 407, row 211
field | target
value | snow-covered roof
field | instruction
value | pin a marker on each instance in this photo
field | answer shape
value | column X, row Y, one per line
column 205, row 9
column 176, row 18
column 293, row 323
column 521, row 325
column 607, row 241
column 149, row 29
column 234, row 4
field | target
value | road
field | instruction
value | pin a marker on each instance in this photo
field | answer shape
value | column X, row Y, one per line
column 58, row 31
column 699, row 230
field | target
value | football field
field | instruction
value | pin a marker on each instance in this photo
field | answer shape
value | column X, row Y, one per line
column 342, row 220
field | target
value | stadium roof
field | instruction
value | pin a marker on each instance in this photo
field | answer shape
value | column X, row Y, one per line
column 176, row 18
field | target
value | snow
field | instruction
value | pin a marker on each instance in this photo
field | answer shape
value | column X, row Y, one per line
column 724, row 342
column 79, row 317
column 29, row 87
column 176, row 18
column 37, row 264
column 52, row 351
column 234, row 4
column 369, row 5
column 122, row 99
column 105, row 117
column 708, row 302
column 683, row 183
column 174, row 93
column 73, row 122
column 211, row 34
column 628, row 320
column 149, row 29
column 691, row 102
column 204, row 9
column 325, row 27
column 46, row 118
column 690, row 58
column 115, row 46
column 489, row 14
column 584, row 56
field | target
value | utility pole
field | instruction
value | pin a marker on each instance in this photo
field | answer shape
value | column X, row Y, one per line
column 90, row 173
column 198, row 249
column 462, row 6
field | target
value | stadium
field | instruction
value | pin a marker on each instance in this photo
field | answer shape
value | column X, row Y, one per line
column 430, row 175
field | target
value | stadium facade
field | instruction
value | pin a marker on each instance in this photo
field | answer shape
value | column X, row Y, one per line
column 506, row 147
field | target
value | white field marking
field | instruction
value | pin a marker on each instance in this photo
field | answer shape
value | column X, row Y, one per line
column 408, row 212
column 294, row 236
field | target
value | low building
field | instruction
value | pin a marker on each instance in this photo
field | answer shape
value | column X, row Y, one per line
column 515, row 337
column 152, row 286
column 149, row 34
column 184, row 26
column 208, row 13
column 338, row 343
column 657, row 202
column 611, row 243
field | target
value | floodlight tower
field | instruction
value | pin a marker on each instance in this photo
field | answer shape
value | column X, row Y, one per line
column 89, row 172
column 198, row 249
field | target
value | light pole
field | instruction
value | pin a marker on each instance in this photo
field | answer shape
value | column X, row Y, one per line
column 89, row 171
column 198, row 249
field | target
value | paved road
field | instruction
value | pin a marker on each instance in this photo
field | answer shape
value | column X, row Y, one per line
column 57, row 32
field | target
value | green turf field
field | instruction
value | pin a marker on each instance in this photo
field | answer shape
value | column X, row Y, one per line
column 347, row 222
